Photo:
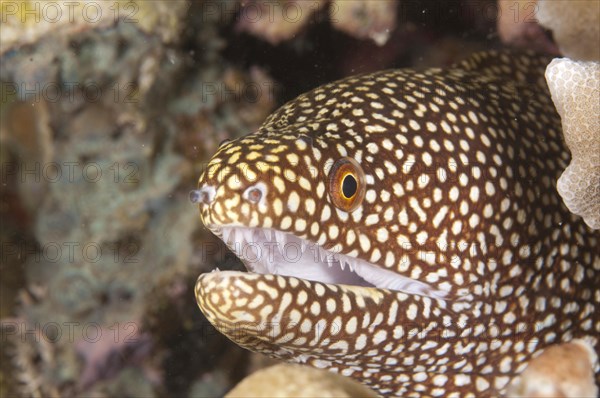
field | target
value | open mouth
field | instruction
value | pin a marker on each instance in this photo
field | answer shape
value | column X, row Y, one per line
column 268, row 251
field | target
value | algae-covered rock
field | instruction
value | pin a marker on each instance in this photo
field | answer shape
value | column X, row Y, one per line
column 93, row 120
column 25, row 22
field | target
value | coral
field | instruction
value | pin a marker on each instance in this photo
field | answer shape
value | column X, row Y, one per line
column 131, row 170
column 287, row 380
column 105, row 358
column 26, row 131
column 252, row 96
column 282, row 20
column 373, row 20
column 149, row 130
column 518, row 27
column 563, row 370
column 33, row 356
column 575, row 26
column 26, row 22
column 211, row 385
column 276, row 21
column 105, row 116
column 575, row 90
column 130, row 382
column 106, row 298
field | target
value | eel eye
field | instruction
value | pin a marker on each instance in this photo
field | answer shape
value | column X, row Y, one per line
column 346, row 184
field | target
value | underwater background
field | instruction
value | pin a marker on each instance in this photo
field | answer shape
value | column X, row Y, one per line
column 109, row 113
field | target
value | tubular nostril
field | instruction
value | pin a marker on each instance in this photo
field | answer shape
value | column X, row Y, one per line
column 195, row 196
column 204, row 195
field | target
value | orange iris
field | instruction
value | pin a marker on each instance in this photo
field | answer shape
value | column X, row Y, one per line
column 346, row 184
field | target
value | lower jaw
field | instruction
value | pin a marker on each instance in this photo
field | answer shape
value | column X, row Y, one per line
column 289, row 318
column 292, row 319
column 349, row 329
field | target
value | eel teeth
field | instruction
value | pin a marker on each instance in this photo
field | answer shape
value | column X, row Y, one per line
column 329, row 257
column 331, row 261
column 346, row 263
column 234, row 236
column 280, row 238
column 251, row 235
column 320, row 254
column 269, row 260
column 351, row 265
column 226, row 233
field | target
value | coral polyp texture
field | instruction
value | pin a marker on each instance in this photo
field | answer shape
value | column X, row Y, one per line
column 575, row 89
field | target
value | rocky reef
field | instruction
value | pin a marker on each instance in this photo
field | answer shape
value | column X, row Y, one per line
column 104, row 128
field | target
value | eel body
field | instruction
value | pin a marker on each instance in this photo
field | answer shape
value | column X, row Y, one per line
column 403, row 228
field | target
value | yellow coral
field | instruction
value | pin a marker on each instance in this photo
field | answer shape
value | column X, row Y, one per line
column 287, row 380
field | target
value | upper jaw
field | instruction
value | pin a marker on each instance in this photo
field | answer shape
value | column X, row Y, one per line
column 269, row 251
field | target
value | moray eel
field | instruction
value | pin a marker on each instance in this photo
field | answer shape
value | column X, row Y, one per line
column 403, row 228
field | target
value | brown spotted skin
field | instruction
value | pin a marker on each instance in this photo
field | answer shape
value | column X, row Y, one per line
column 461, row 168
